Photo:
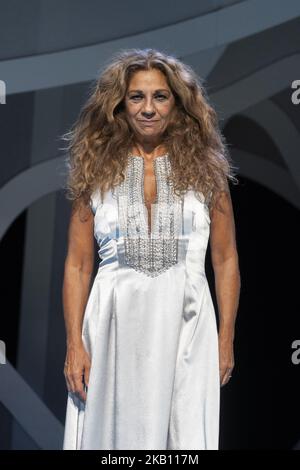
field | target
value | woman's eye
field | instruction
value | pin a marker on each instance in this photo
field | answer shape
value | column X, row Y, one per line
column 160, row 97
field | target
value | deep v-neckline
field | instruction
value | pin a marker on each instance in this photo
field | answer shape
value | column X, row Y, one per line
column 150, row 216
column 155, row 251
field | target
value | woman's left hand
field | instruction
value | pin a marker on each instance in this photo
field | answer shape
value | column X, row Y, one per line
column 226, row 359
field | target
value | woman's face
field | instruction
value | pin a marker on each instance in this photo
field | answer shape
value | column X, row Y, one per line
column 149, row 103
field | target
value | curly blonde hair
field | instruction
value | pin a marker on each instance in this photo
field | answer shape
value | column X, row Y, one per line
column 101, row 138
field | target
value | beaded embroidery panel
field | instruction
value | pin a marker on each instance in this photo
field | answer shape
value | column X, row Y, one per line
column 155, row 251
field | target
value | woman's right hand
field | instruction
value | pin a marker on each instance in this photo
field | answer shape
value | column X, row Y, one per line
column 77, row 369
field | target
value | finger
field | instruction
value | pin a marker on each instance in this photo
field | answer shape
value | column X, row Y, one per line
column 68, row 383
column 68, row 379
column 73, row 377
column 222, row 375
column 82, row 391
column 227, row 376
column 79, row 386
column 87, row 375
column 224, row 381
column 83, row 395
column 72, row 384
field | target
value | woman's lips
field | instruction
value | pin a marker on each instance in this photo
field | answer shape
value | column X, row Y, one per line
column 148, row 123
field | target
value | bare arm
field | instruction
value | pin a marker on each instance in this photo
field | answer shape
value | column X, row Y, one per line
column 77, row 276
column 227, row 279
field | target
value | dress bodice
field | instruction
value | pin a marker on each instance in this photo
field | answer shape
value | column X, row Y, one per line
column 122, row 218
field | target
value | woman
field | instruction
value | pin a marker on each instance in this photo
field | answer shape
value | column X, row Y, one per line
column 148, row 174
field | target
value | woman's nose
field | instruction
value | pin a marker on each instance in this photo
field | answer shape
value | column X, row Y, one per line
column 148, row 114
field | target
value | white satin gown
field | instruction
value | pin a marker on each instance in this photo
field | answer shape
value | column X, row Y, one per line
column 149, row 324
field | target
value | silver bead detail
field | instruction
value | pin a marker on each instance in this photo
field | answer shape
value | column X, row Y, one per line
column 149, row 252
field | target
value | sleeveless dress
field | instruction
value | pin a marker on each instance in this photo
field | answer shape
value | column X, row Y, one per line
column 149, row 324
